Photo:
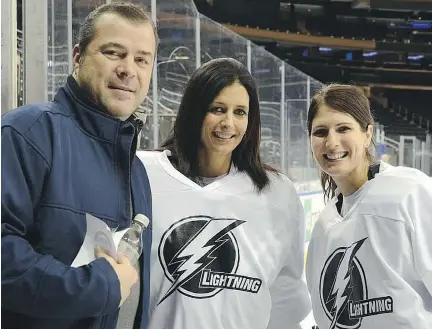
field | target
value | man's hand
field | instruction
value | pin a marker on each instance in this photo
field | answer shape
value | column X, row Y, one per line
column 126, row 273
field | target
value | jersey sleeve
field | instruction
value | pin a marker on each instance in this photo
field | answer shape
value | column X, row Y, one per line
column 289, row 293
column 420, row 211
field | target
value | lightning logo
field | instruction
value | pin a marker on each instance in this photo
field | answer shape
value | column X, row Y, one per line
column 197, row 251
column 342, row 288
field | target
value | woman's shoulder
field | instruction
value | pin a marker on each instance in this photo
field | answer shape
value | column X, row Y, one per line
column 281, row 192
column 149, row 156
column 396, row 192
column 279, row 182
column 409, row 183
column 398, row 182
column 401, row 172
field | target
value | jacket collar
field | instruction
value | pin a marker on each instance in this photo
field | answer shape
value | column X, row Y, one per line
column 91, row 117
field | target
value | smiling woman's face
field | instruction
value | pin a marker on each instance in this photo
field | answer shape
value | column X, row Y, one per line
column 338, row 142
column 226, row 122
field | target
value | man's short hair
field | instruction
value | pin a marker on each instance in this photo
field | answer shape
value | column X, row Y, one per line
column 129, row 11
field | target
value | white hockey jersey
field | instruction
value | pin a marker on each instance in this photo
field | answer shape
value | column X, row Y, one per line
column 224, row 256
column 373, row 267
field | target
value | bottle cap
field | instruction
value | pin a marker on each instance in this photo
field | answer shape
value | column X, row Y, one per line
column 142, row 219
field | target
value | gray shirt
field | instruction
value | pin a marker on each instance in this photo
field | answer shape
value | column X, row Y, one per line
column 349, row 201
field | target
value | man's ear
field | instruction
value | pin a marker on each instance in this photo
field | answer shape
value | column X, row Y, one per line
column 76, row 58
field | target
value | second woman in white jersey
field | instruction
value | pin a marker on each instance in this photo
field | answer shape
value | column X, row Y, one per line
column 369, row 259
column 228, row 231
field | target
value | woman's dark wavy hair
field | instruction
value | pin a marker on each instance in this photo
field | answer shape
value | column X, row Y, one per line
column 184, row 140
column 346, row 99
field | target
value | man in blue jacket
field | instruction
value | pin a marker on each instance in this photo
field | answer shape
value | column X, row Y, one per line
column 72, row 156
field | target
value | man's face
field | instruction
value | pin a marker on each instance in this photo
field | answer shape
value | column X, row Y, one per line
column 117, row 65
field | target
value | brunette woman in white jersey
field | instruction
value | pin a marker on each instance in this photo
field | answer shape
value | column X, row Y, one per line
column 228, row 230
column 369, row 261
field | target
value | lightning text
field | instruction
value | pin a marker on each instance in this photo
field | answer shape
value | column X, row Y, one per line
column 211, row 279
column 368, row 307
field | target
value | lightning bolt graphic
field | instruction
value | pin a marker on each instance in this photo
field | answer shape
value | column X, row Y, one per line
column 342, row 288
column 196, row 254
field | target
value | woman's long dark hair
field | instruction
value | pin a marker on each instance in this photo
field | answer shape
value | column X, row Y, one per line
column 346, row 99
column 184, row 140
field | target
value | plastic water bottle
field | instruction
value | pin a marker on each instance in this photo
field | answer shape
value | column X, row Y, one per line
column 131, row 242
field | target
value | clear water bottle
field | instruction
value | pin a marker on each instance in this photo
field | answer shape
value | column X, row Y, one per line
column 131, row 242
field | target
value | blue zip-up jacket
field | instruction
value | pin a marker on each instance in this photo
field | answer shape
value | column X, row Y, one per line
column 61, row 160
